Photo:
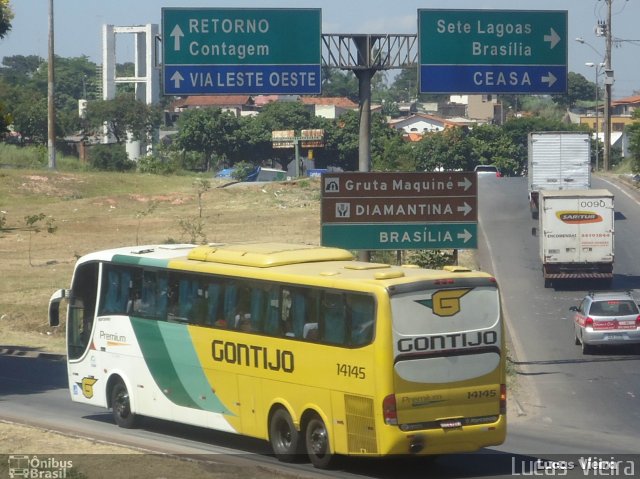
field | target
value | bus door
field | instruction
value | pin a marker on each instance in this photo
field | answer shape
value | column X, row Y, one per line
column 82, row 361
column 447, row 355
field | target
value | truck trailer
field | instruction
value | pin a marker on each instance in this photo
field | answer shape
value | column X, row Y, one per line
column 576, row 234
column 558, row 160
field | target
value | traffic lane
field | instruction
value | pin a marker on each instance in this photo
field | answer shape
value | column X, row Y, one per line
column 23, row 371
column 627, row 231
column 562, row 387
column 54, row 410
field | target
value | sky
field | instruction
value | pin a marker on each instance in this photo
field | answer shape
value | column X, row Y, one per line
column 78, row 26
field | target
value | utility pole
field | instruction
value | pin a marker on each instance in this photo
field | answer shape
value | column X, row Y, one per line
column 51, row 109
column 608, row 82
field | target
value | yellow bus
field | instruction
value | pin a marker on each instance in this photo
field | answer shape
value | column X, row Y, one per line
column 299, row 345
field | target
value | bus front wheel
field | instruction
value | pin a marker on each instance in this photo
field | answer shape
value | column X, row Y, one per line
column 121, row 406
column 317, row 444
column 285, row 439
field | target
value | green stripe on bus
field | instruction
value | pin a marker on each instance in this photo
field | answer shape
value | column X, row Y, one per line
column 139, row 260
column 187, row 365
column 174, row 365
column 159, row 362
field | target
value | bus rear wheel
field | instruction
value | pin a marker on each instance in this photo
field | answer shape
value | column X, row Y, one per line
column 284, row 437
column 121, row 406
column 317, row 444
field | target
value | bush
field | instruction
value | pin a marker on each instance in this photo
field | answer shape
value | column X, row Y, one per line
column 110, row 157
column 432, row 259
column 242, row 170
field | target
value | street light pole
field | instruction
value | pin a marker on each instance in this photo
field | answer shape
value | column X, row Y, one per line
column 608, row 81
column 51, row 108
column 597, row 68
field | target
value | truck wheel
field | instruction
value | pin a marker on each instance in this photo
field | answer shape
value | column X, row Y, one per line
column 284, row 438
column 548, row 283
column 317, row 444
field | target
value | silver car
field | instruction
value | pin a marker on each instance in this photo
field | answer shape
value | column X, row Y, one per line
column 606, row 318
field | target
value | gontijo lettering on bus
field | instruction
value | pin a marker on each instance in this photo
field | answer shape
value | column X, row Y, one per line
column 252, row 355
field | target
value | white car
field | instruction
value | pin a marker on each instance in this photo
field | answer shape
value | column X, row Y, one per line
column 606, row 318
column 482, row 170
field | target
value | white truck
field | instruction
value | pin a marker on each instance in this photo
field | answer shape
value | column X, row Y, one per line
column 558, row 160
column 576, row 229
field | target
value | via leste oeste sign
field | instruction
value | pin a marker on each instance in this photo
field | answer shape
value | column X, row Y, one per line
column 382, row 211
column 241, row 51
column 492, row 51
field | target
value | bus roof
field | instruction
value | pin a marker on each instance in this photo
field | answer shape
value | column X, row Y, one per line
column 280, row 261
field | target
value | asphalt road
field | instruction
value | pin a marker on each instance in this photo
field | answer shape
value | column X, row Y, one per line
column 595, row 398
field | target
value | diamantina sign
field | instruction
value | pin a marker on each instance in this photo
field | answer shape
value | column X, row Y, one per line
column 241, row 51
column 374, row 211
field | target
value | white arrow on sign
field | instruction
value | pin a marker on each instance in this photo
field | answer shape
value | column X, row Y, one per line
column 466, row 208
column 176, row 78
column 466, row 236
column 551, row 79
column 177, row 34
column 553, row 38
column 466, row 184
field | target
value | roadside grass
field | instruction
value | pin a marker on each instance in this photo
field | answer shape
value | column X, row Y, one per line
column 95, row 210
column 99, row 210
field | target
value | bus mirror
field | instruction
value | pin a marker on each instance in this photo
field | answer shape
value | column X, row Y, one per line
column 54, row 306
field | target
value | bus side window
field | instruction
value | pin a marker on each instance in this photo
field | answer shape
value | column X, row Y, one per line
column 299, row 312
column 214, row 292
column 272, row 324
column 116, row 287
column 230, row 307
column 361, row 312
column 333, row 319
column 258, row 309
column 148, row 295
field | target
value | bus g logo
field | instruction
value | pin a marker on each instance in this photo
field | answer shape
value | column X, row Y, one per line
column 87, row 387
column 447, row 302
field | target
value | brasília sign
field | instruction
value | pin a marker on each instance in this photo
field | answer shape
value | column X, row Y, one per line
column 241, row 51
column 377, row 211
column 492, row 51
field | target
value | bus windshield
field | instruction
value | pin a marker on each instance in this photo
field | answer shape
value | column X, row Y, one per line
column 457, row 331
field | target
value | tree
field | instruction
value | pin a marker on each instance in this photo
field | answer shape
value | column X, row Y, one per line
column 256, row 133
column 578, row 88
column 5, row 119
column 209, row 131
column 6, row 15
column 633, row 132
column 335, row 82
column 445, row 150
column 490, row 145
column 124, row 114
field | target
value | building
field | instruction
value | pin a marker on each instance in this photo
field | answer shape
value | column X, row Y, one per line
column 414, row 126
column 625, row 106
column 329, row 107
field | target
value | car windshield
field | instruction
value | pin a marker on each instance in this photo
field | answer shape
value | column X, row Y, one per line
column 491, row 169
column 613, row 308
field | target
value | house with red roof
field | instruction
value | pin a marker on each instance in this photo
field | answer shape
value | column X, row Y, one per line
column 625, row 106
column 329, row 107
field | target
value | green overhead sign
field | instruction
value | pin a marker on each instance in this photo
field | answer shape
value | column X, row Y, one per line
column 493, row 51
column 241, row 51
